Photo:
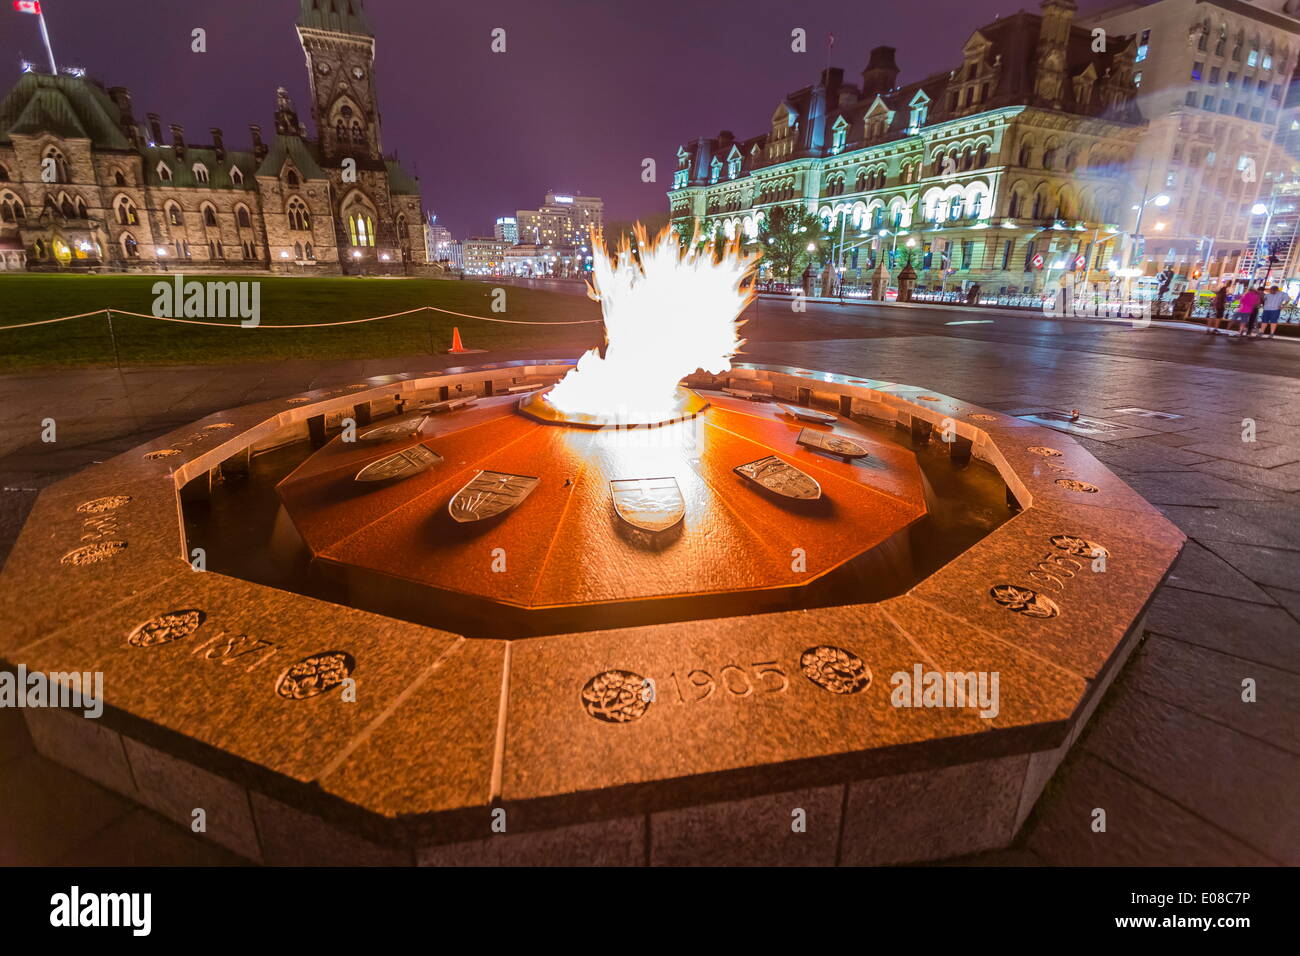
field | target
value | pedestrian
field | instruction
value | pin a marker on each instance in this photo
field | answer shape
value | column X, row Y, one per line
column 1274, row 302
column 1220, row 306
column 1246, row 311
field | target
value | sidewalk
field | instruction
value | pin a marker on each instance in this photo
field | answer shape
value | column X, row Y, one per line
column 1004, row 311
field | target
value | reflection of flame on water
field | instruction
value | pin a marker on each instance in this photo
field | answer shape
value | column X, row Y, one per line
column 668, row 313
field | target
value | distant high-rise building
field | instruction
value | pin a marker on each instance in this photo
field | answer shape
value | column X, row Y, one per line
column 507, row 228
column 438, row 239
column 484, row 255
column 563, row 220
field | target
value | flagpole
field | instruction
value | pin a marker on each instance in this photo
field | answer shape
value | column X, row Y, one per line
column 45, row 35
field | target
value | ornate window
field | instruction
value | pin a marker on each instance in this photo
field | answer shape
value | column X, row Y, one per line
column 236, row 176
column 11, row 208
column 126, row 212
column 361, row 229
column 174, row 215
column 62, row 172
column 200, row 173
column 242, row 218
column 164, row 172
column 130, row 248
column 299, row 217
column 209, row 215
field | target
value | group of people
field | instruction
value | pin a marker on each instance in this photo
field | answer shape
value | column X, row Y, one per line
column 1256, row 305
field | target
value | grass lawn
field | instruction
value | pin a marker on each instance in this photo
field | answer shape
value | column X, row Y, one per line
column 284, row 301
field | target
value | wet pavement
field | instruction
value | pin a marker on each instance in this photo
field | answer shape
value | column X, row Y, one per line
column 1187, row 771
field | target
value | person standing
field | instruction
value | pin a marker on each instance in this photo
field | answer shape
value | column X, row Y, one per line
column 1246, row 307
column 1274, row 302
column 1220, row 306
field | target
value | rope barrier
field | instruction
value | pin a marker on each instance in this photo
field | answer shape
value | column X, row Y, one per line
column 314, row 325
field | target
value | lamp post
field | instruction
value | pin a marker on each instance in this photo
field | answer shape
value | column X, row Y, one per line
column 1160, row 200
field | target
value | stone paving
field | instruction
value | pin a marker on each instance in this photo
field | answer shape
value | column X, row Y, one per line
column 1186, row 772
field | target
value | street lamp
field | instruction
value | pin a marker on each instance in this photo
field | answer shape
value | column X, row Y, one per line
column 1159, row 200
column 1259, row 209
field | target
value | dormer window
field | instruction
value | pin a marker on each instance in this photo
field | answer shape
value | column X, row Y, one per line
column 715, row 170
column 734, row 160
column 920, row 111
column 200, row 173
column 679, row 179
column 839, row 135
column 293, row 179
column 164, row 172
column 236, row 176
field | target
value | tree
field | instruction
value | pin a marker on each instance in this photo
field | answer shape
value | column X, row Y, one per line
column 785, row 234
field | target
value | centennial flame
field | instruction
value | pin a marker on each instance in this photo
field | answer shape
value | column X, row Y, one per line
column 667, row 314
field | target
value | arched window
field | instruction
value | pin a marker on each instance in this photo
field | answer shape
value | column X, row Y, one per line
column 1049, row 157
column 361, row 229
column 1013, row 209
column 297, row 250
column 164, row 172
column 126, row 212
column 236, row 176
column 1025, row 154
column 293, row 179
column 860, row 183
column 81, row 208
column 982, row 157
column 174, row 215
column 11, row 208
column 242, row 218
column 358, row 136
column 299, row 217
column 4, row 175
column 67, row 208
column 1038, row 207
column 62, row 172
column 311, row 253
column 118, row 178
column 341, row 131
column 954, row 207
column 38, row 249
column 209, row 216
column 130, row 248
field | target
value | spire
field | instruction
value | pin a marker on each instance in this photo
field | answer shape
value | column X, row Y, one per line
column 334, row 16
column 286, row 118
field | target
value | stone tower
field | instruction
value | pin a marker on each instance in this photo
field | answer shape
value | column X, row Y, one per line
column 1053, row 44
column 340, row 50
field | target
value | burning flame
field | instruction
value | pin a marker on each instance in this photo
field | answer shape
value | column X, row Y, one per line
column 668, row 312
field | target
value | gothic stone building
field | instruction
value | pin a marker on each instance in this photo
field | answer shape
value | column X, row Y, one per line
column 83, row 185
column 1013, row 162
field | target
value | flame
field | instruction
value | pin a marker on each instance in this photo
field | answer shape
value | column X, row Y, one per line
column 668, row 313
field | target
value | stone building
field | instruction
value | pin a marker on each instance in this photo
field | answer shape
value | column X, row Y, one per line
column 84, row 185
column 1013, row 163
column 1213, row 77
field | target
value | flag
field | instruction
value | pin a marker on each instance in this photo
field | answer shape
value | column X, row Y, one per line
column 28, row 6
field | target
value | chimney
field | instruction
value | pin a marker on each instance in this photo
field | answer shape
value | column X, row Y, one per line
column 178, row 139
column 881, row 74
column 259, row 150
column 832, row 79
column 155, row 129
column 218, row 144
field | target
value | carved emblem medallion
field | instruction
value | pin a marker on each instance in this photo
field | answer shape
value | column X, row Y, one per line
column 1082, row 547
column 651, row 504
column 781, row 478
column 93, row 553
column 832, row 444
column 395, row 431
column 406, row 463
column 1024, row 601
column 616, row 697
column 807, row 414
column 315, row 675
column 1073, row 484
column 98, row 506
column 172, row 626
column 834, row 669
column 488, row 494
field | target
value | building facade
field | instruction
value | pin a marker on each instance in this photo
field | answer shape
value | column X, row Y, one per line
column 1213, row 76
column 484, row 255
column 1013, row 164
column 84, row 185
column 507, row 229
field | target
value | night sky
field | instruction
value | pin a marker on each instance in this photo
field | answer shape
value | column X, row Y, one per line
column 586, row 89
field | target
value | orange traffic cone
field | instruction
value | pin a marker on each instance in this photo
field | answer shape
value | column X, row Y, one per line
column 456, row 344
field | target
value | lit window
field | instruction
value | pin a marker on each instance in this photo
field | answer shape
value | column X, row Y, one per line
column 1252, row 58
column 1197, row 67
column 1142, row 46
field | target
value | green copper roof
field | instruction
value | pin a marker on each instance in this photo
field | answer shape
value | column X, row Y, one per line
column 338, row 16
column 400, row 182
column 291, row 148
column 68, row 106
column 182, row 170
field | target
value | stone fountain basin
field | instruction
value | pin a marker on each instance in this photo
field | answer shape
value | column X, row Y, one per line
column 235, row 709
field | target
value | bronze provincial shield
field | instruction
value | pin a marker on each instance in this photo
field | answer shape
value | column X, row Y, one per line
column 488, row 494
column 651, row 504
column 832, row 444
column 781, row 478
column 394, row 432
column 404, row 464
column 807, row 414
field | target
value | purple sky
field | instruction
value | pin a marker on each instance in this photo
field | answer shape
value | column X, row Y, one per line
column 586, row 89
